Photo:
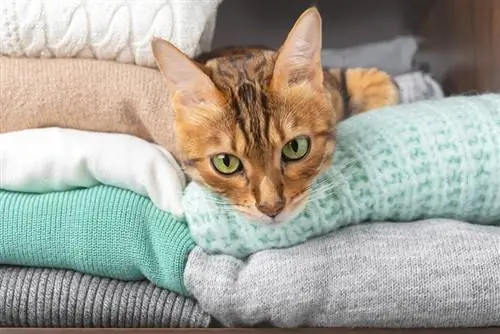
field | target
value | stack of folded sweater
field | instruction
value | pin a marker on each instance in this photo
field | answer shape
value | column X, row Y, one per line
column 59, row 187
column 98, row 230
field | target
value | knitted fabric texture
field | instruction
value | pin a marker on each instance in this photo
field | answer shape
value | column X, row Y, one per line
column 56, row 159
column 102, row 230
column 35, row 297
column 422, row 160
column 86, row 94
column 432, row 273
column 109, row 30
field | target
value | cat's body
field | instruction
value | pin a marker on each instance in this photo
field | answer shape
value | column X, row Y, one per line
column 258, row 125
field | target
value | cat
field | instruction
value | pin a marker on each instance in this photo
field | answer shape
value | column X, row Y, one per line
column 257, row 126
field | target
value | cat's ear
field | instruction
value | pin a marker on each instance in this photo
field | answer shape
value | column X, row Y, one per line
column 299, row 59
column 186, row 81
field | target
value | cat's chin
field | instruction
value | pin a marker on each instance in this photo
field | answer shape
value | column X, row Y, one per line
column 290, row 212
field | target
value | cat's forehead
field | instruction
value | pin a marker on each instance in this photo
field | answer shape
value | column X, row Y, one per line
column 231, row 71
column 258, row 120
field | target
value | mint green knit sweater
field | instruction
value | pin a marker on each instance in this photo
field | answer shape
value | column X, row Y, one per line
column 429, row 159
column 103, row 230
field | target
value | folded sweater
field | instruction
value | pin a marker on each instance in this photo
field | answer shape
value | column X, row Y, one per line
column 113, row 30
column 86, row 94
column 34, row 297
column 54, row 159
column 434, row 273
column 102, row 230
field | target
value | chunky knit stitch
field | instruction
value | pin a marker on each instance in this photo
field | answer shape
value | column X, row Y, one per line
column 431, row 159
column 102, row 231
column 108, row 30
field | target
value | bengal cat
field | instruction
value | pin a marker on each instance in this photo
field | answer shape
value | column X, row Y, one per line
column 258, row 126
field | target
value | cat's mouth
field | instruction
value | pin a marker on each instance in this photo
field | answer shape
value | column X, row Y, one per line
column 292, row 210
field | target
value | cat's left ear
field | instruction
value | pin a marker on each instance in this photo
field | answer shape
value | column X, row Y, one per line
column 299, row 59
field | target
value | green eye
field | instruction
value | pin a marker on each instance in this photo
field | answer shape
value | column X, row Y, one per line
column 296, row 149
column 226, row 164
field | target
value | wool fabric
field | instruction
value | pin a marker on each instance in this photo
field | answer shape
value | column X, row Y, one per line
column 43, row 297
column 424, row 274
column 55, row 159
column 430, row 159
column 109, row 30
column 86, row 94
column 103, row 231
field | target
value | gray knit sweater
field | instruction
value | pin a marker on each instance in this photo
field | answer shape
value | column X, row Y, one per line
column 32, row 297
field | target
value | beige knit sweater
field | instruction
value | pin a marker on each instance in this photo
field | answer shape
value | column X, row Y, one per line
column 85, row 94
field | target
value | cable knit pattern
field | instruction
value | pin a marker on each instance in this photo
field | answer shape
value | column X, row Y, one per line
column 104, row 231
column 432, row 159
column 34, row 297
column 119, row 30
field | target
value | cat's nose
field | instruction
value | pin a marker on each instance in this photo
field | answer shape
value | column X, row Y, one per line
column 271, row 209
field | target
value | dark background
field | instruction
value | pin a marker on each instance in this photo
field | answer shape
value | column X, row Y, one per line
column 345, row 22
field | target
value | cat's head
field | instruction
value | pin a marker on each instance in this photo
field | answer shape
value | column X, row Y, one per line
column 256, row 127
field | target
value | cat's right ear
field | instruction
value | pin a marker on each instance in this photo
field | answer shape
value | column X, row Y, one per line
column 299, row 58
column 189, row 85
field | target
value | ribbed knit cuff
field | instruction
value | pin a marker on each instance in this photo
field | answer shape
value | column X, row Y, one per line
column 35, row 297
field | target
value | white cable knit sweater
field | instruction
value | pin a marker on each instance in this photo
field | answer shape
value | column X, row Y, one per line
column 119, row 30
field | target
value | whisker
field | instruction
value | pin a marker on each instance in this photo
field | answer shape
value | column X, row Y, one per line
column 222, row 205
